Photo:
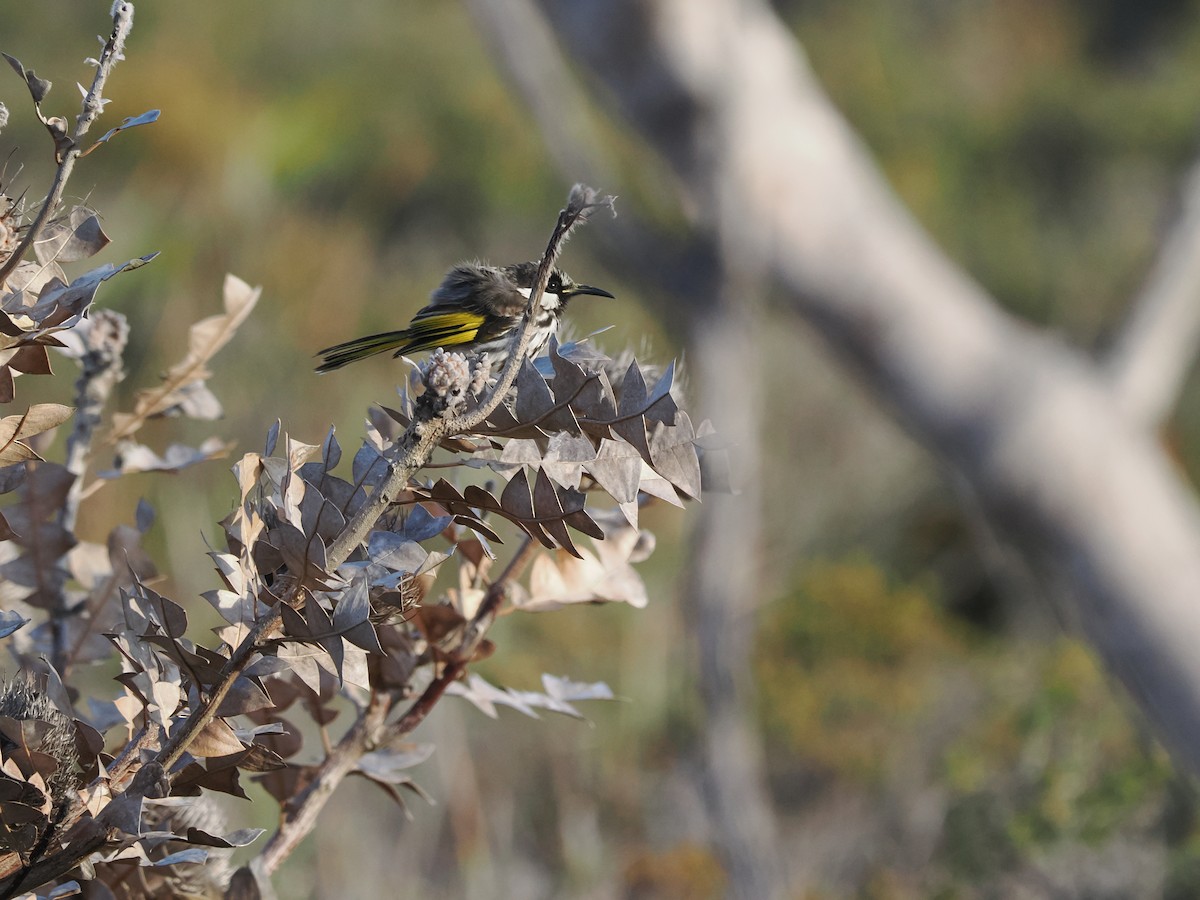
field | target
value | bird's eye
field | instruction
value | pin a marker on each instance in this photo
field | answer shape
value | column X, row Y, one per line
column 554, row 285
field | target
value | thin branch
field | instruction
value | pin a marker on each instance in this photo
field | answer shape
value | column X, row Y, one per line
column 300, row 814
column 93, row 104
column 1157, row 344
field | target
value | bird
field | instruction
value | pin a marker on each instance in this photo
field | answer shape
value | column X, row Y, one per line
column 475, row 308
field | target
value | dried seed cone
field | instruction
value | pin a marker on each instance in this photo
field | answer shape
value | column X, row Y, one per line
column 39, row 765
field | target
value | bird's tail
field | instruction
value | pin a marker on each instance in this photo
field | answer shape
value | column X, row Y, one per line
column 360, row 348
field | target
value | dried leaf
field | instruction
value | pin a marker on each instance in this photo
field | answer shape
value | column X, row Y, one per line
column 351, row 617
column 149, row 116
column 14, row 429
column 215, row 739
column 11, row 621
column 243, row 837
column 673, row 455
column 617, row 468
column 38, row 87
column 76, row 237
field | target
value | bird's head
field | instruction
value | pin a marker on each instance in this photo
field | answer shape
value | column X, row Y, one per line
column 559, row 288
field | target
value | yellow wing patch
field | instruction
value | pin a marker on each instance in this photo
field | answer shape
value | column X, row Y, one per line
column 443, row 330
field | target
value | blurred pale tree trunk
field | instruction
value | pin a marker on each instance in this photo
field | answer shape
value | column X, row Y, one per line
column 1059, row 450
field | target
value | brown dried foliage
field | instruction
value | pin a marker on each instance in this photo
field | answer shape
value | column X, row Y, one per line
column 327, row 577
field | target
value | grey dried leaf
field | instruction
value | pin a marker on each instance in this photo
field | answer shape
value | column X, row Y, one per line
column 322, row 632
column 76, row 237
column 144, row 516
column 351, row 617
column 396, row 552
column 370, row 466
column 10, row 622
column 617, row 468
column 673, row 454
column 303, row 663
column 549, row 505
column 60, row 306
column 38, row 87
column 392, row 765
column 244, row 696
column 569, row 691
column 127, row 560
column 566, row 457
column 304, row 555
column 660, row 405
column 420, row 525
column 168, row 615
column 11, row 478
column 243, row 837
column 272, row 438
column 192, row 856
column 535, row 404
column 486, row 697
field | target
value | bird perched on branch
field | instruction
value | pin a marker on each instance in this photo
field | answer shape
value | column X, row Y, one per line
column 475, row 308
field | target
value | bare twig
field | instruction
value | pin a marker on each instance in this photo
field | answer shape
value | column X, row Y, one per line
column 93, row 104
column 300, row 814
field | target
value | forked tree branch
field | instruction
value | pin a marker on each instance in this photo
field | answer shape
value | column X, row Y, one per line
column 1030, row 423
column 1157, row 344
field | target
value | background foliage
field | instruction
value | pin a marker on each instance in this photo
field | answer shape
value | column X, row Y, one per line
column 923, row 734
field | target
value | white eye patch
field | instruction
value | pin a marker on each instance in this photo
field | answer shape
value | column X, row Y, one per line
column 550, row 302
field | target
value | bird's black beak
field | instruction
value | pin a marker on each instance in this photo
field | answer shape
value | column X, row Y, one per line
column 577, row 289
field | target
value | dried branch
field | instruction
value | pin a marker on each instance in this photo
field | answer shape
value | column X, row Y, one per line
column 93, row 104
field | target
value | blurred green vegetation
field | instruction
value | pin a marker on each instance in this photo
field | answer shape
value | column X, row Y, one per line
column 873, row 689
column 343, row 155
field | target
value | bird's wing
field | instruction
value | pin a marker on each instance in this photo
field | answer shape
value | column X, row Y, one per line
column 486, row 288
column 430, row 329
